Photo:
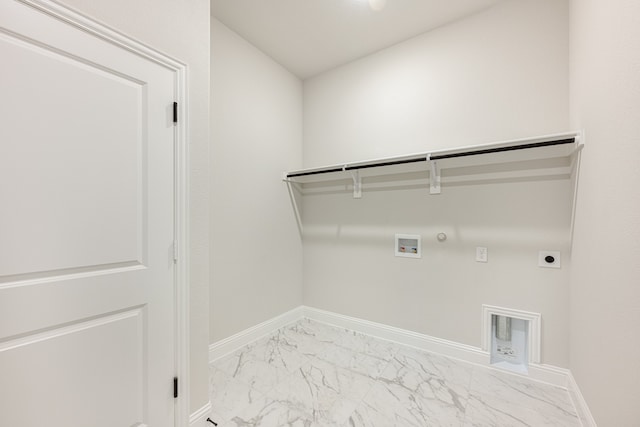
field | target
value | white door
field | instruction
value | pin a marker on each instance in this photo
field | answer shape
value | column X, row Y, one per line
column 86, row 228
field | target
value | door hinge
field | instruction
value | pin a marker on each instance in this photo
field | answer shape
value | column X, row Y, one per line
column 175, row 387
column 175, row 112
column 175, row 251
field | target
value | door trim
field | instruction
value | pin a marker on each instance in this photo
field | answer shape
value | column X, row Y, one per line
column 181, row 180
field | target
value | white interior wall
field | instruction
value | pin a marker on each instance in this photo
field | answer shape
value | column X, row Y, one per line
column 157, row 23
column 497, row 75
column 605, row 279
column 350, row 268
column 256, row 129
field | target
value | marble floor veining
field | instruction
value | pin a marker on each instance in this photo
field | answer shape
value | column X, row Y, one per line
column 312, row 374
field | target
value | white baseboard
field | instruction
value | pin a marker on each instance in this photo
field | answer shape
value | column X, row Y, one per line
column 228, row 345
column 544, row 373
column 539, row 372
column 586, row 418
column 401, row 336
column 548, row 374
column 199, row 418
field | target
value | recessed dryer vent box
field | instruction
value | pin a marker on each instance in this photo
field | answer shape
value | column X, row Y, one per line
column 408, row 245
column 511, row 337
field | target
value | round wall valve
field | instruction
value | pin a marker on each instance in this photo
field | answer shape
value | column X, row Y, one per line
column 441, row 237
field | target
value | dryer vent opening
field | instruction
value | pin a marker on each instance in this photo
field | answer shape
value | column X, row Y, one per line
column 509, row 343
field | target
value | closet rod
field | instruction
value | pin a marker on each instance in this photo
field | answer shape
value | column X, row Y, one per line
column 425, row 158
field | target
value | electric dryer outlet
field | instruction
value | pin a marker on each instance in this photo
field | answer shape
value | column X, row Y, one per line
column 549, row 259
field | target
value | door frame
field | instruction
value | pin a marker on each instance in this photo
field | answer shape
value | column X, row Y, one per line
column 181, row 181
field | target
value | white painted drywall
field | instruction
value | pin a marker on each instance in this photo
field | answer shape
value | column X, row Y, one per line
column 180, row 29
column 500, row 74
column 605, row 277
column 256, row 134
column 497, row 75
column 350, row 267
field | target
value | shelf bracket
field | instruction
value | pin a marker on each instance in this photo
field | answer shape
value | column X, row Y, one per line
column 357, row 184
column 434, row 177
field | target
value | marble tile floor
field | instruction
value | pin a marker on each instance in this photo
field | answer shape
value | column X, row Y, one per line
column 312, row 374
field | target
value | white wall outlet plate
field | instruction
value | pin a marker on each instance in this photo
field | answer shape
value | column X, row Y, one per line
column 549, row 259
column 482, row 254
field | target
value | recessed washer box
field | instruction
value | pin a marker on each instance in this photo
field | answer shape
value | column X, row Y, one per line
column 408, row 245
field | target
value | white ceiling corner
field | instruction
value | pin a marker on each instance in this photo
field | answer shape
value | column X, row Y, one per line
column 311, row 36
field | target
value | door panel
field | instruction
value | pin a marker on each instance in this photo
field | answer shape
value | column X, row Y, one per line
column 86, row 228
column 61, row 364
column 59, row 136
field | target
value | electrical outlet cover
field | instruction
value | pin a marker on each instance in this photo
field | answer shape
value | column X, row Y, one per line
column 482, row 254
column 549, row 259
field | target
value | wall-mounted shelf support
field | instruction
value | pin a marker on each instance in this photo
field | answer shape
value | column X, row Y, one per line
column 434, row 177
column 529, row 158
column 357, row 184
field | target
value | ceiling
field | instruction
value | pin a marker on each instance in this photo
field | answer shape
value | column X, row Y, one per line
column 311, row 36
